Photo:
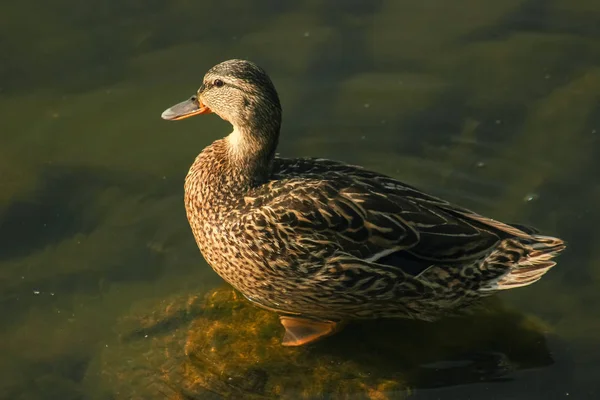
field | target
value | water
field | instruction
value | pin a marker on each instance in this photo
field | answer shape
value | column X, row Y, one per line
column 490, row 105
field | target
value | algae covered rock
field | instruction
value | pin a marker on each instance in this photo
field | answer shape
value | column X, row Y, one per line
column 221, row 346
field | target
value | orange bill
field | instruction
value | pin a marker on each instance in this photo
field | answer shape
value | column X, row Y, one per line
column 185, row 109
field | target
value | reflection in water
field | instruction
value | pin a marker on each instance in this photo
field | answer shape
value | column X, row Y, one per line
column 222, row 344
column 479, row 102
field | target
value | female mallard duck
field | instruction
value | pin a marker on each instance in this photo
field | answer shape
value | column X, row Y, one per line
column 322, row 242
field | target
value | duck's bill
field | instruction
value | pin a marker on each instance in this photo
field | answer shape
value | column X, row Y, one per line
column 185, row 109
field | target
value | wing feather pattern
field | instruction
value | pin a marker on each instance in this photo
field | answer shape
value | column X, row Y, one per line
column 372, row 217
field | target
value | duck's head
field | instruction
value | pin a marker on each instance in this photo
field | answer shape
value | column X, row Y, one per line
column 238, row 91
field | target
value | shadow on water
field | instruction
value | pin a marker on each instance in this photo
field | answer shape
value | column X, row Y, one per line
column 453, row 351
column 224, row 345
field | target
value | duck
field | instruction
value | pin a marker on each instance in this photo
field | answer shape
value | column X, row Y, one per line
column 321, row 242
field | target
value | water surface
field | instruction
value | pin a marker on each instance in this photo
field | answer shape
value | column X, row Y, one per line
column 492, row 105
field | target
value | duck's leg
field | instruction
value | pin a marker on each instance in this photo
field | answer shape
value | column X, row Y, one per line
column 301, row 331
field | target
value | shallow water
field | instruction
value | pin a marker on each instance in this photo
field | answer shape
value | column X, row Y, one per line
column 493, row 106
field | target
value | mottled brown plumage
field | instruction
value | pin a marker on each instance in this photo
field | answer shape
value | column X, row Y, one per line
column 320, row 241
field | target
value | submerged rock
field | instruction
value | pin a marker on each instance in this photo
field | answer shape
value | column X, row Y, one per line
column 221, row 346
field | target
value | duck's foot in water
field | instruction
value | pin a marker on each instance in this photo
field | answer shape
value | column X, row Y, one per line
column 301, row 331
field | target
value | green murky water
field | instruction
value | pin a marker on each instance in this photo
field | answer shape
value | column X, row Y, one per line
column 494, row 105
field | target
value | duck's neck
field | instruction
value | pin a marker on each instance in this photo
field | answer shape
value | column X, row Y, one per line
column 250, row 152
column 229, row 167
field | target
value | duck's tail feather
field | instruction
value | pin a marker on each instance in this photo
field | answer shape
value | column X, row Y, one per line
column 527, row 261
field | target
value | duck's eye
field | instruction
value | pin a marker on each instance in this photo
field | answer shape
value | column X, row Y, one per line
column 218, row 83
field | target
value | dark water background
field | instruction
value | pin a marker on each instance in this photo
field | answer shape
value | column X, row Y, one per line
column 491, row 104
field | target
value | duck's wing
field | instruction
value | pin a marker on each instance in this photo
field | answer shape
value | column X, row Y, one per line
column 315, row 167
column 371, row 217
